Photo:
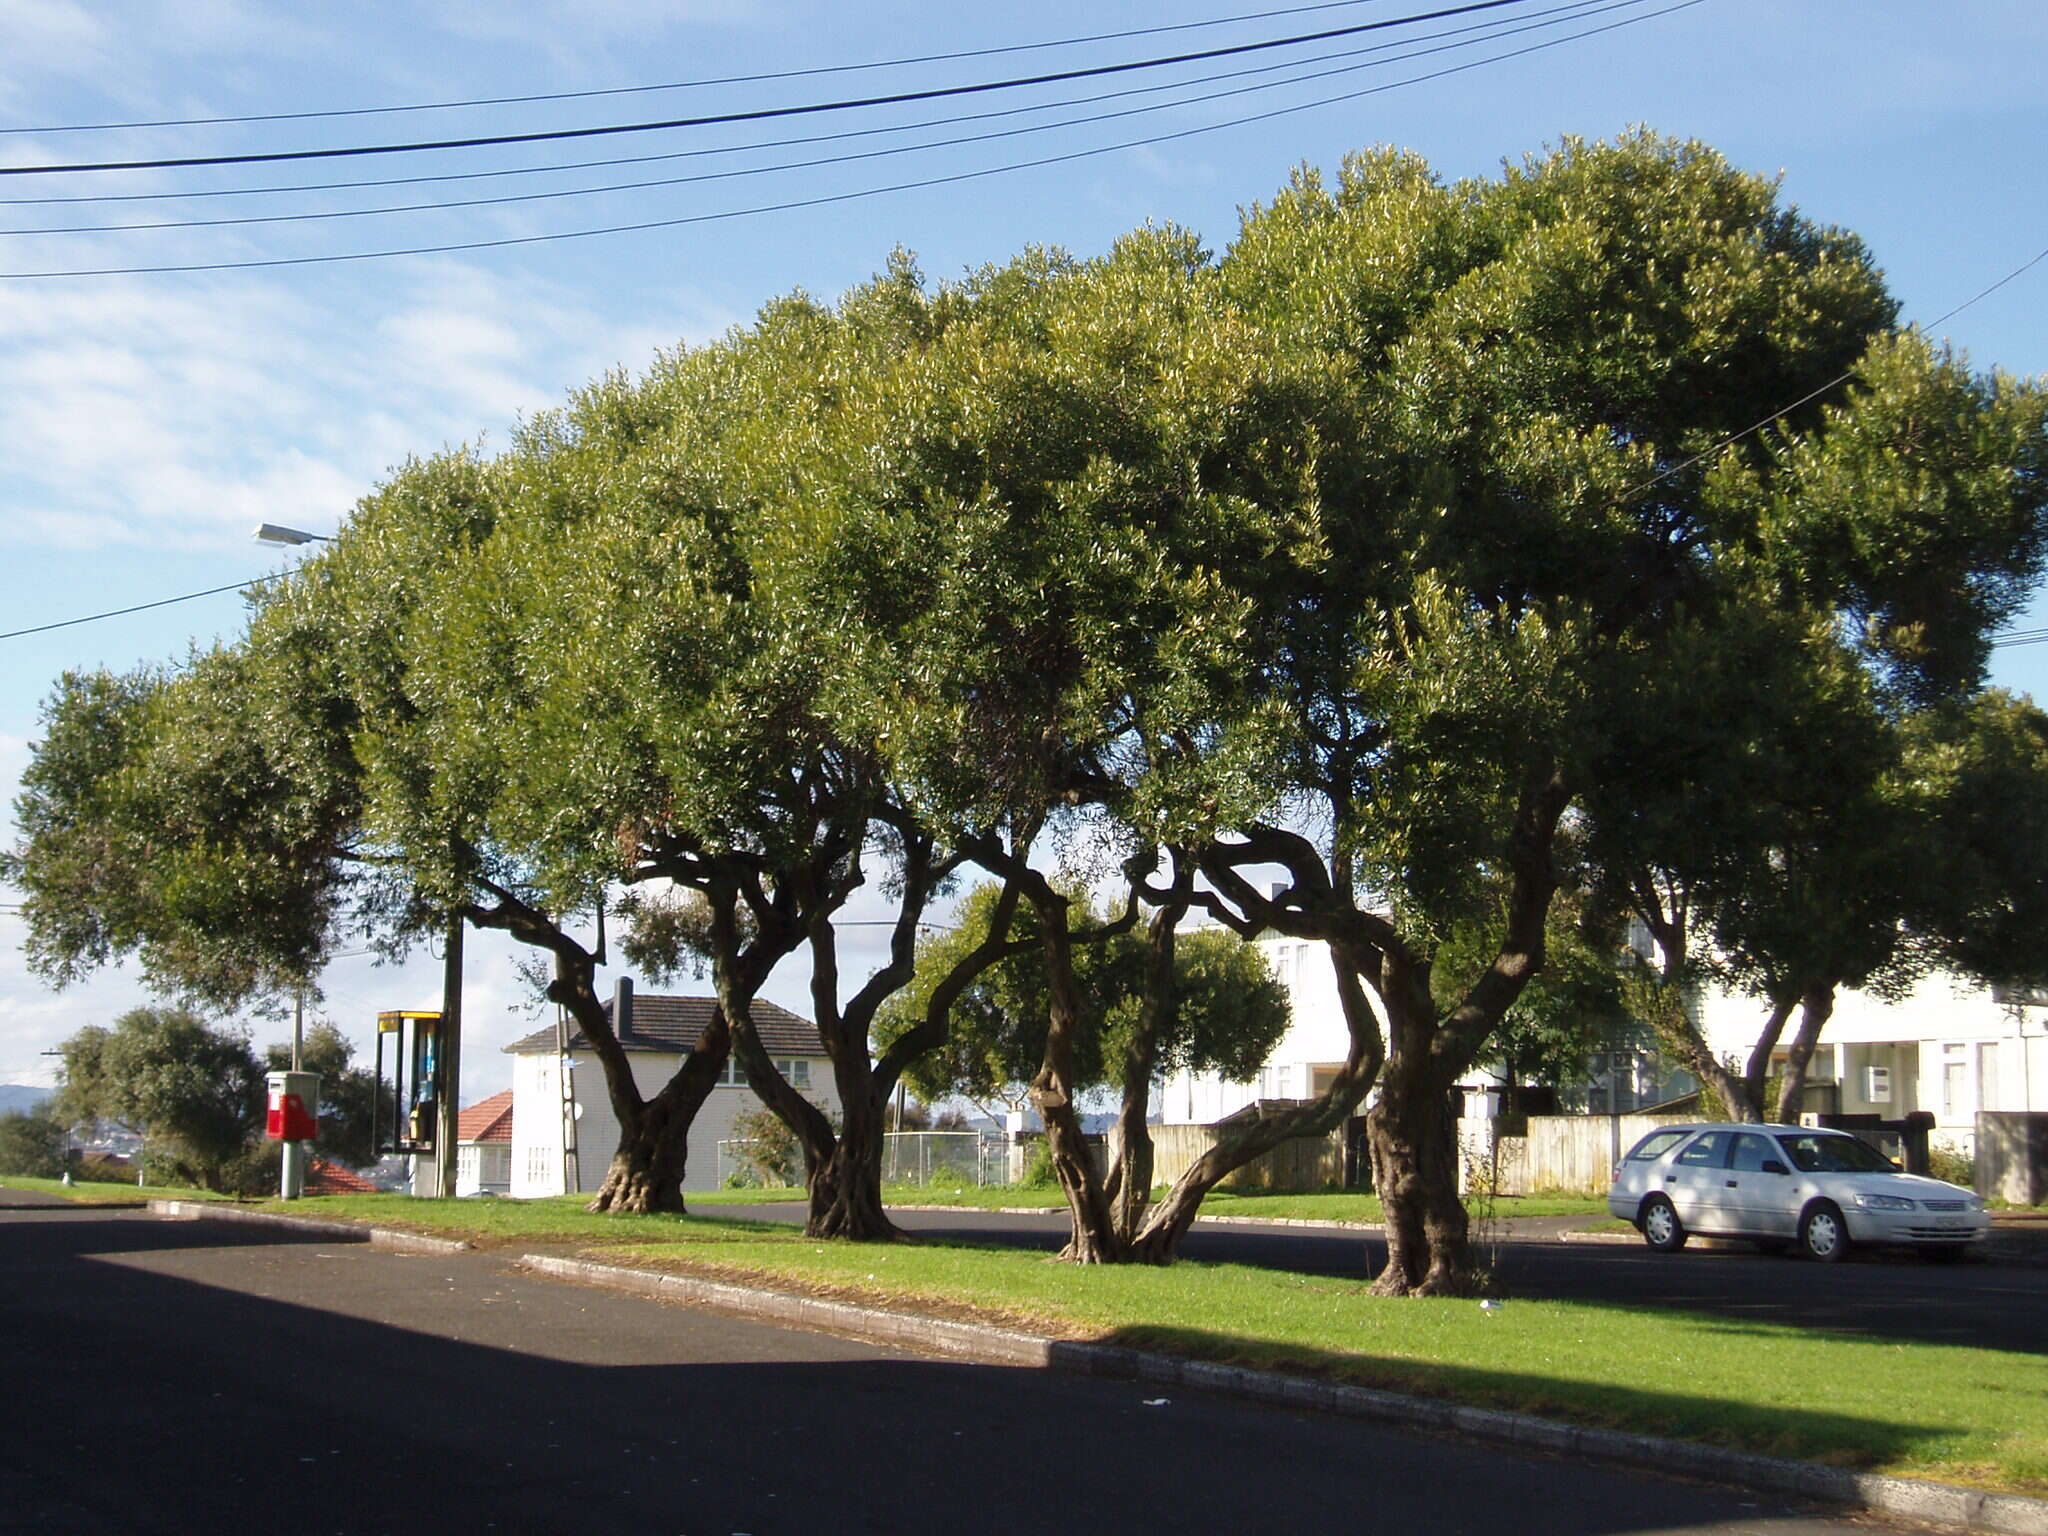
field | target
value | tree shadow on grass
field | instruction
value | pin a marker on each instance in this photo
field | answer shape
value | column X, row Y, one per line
column 1808, row 1432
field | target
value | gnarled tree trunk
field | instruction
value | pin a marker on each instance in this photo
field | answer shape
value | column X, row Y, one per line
column 846, row 1188
column 1414, row 1142
column 646, row 1173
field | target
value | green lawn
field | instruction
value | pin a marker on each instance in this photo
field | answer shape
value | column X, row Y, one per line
column 1963, row 1415
column 105, row 1194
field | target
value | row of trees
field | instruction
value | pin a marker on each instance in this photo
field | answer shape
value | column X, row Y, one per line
column 1412, row 576
column 195, row 1093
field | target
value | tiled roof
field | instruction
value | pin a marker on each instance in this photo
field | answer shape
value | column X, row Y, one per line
column 325, row 1178
column 487, row 1119
column 674, row 1024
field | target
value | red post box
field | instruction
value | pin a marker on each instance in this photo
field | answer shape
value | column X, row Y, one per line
column 292, row 1108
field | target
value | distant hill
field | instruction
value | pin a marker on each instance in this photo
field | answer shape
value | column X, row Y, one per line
column 16, row 1097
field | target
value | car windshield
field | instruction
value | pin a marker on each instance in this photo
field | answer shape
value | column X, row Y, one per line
column 1834, row 1154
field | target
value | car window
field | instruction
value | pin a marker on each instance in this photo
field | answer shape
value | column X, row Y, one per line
column 1834, row 1154
column 1752, row 1152
column 1656, row 1144
column 1707, row 1151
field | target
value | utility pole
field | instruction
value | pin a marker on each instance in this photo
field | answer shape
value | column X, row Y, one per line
column 291, row 1180
column 449, row 1048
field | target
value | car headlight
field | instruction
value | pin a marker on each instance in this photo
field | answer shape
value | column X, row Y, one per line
column 1884, row 1203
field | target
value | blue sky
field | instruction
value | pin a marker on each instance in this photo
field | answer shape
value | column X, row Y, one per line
column 147, row 422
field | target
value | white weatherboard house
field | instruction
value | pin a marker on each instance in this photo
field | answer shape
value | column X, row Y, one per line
column 657, row 1034
column 1950, row 1049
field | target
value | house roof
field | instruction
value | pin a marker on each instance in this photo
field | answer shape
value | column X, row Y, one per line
column 487, row 1119
column 673, row 1024
column 325, row 1178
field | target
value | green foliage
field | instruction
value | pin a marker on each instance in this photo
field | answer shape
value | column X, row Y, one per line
column 32, row 1142
column 1229, row 1010
column 765, row 1151
column 1952, row 1165
column 195, row 1093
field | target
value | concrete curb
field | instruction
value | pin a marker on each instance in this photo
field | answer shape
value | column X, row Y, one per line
column 339, row 1231
column 1967, row 1508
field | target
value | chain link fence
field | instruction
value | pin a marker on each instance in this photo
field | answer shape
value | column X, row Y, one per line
column 908, row 1157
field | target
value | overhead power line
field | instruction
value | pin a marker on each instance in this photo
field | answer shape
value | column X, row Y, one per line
column 1492, row 30
column 115, row 613
column 1495, row 27
column 831, row 199
column 691, row 85
column 761, row 114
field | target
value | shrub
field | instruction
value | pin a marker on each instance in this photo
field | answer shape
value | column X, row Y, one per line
column 1952, row 1165
column 32, row 1144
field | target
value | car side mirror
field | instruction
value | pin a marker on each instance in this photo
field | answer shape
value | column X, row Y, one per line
column 1772, row 1165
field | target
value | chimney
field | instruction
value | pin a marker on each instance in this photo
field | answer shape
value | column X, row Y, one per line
column 622, row 1008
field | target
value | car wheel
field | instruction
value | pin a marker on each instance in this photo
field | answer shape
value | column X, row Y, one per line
column 1662, row 1229
column 1823, row 1233
column 1943, row 1253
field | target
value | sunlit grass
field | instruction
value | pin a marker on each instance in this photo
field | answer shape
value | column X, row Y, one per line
column 105, row 1193
column 1970, row 1415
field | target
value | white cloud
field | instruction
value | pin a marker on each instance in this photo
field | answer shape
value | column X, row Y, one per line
column 178, row 418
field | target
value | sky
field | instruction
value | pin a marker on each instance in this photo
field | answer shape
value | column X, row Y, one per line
column 148, row 420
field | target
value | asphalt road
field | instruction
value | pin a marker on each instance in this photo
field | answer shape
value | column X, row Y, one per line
column 1994, row 1299
column 198, row 1376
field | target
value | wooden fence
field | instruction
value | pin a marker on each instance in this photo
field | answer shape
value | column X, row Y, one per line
column 1304, row 1163
column 1575, row 1154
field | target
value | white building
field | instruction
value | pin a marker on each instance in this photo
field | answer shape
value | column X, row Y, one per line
column 1303, row 1064
column 554, row 1134
column 1950, row 1048
column 483, row 1147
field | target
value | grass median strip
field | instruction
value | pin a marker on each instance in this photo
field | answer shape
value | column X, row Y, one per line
column 1955, row 1414
column 102, row 1193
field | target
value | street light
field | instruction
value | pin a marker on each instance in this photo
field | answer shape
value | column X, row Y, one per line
column 449, row 1046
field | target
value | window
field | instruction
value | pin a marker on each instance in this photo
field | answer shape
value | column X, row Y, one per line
column 1751, row 1153
column 1707, row 1152
column 1837, row 1153
column 1655, row 1145
column 796, row 1068
column 1955, row 1063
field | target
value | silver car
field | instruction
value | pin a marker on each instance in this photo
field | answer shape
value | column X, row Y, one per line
column 1777, row 1185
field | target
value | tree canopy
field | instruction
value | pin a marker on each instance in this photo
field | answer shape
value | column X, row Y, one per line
column 1393, row 546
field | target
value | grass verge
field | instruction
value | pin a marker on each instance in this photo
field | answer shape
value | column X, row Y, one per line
column 1956, row 1414
column 1972, row 1416
column 105, row 1194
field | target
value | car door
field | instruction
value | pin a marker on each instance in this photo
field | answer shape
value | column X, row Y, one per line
column 1695, row 1181
column 1760, row 1202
